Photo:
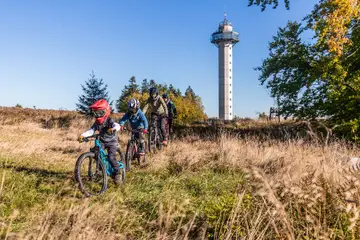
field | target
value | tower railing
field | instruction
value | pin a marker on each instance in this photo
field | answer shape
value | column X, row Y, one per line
column 224, row 36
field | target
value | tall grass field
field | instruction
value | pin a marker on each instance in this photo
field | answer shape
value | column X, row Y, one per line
column 225, row 187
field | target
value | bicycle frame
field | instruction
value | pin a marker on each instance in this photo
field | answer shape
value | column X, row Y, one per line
column 156, row 127
column 103, row 157
column 134, row 141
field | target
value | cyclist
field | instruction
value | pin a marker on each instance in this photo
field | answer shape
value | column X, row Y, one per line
column 107, row 128
column 172, row 110
column 137, row 121
column 158, row 111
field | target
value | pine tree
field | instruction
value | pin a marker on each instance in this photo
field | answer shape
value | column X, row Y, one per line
column 145, row 85
column 128, row 91
column 172, row 90
column 133, row 87
column 94, row 90
column 189, row 93
column 163, row 88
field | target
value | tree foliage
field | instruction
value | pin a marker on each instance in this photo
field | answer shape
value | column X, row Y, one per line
column 331, row 20
column 94, row 90
column 189, row 106
column 322, row 78
column 128, row 91
column 265, row 3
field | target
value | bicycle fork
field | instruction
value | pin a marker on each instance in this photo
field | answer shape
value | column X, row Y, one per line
column 97, row 170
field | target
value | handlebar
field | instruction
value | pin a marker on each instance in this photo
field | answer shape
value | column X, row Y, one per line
column 95, row 136
column 133, row 131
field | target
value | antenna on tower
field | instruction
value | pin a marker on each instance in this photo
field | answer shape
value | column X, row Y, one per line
column 224, row 16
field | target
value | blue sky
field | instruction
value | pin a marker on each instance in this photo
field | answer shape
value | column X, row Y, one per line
column 48, row 48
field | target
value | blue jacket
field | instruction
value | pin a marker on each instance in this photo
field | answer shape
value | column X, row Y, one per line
column 137, row 120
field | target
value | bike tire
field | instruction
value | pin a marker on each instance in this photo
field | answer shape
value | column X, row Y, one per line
column 151, row 140
column 80, row 180
column 144, row 157
column 122, row 160
column 159, row 139
column 129, row 156
column 159, row 144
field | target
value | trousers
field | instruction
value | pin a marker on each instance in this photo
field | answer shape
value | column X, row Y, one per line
column 155, row 119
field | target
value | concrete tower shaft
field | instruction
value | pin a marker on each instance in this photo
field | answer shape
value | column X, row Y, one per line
column 225, row 81
column 225, row 38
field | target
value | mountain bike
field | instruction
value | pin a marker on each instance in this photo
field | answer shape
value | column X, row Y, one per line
column 132, row 150
column 92, row 168
column 155, row 137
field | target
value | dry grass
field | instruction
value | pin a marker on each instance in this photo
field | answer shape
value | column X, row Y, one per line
column 47, row 118
column 195, row 189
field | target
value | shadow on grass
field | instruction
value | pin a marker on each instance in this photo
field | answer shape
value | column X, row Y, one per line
column 42, row 173
column 47, row 182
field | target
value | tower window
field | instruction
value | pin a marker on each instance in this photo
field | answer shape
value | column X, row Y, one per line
column 230, row 62
column 230, row 99
column 230, row 92
column 230, row 77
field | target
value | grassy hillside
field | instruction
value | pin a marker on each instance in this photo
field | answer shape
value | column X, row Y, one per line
column 222, row 187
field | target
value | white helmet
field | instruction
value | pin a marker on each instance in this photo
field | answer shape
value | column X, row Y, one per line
column 133, row 105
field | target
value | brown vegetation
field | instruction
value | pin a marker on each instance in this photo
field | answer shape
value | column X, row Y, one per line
column 221, row 188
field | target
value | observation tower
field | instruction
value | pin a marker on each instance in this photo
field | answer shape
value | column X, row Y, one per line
column 224, row 39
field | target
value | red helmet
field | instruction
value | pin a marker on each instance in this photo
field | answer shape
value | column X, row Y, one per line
column 101, row 110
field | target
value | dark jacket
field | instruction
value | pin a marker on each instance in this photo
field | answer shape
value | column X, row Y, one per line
column 105, row 137
column 172, row 109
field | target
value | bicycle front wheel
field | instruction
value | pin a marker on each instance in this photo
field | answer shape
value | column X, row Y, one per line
column 159, row 139
column 90, row 175
column 129, row 155
column 152, row 140
column 121, row 159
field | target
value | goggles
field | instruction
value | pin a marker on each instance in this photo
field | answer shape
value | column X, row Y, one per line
column 99, row 113
column 132, row 110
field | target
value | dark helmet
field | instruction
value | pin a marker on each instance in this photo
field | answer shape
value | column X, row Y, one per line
column 133, row 105
column 154, row 93
column 165, row 95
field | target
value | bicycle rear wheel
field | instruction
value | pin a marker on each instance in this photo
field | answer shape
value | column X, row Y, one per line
column 90, row 173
